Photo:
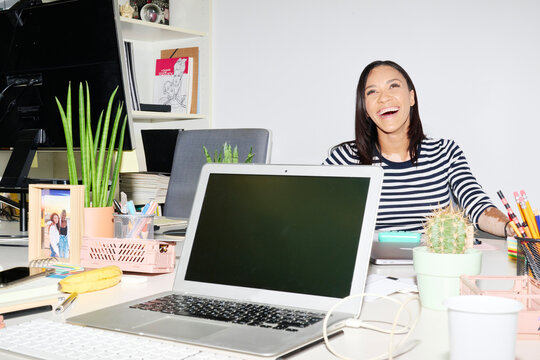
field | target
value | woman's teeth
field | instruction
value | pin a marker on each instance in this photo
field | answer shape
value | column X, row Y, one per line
column 388, row 111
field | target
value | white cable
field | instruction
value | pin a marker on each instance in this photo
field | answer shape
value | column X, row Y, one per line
column 405, row 329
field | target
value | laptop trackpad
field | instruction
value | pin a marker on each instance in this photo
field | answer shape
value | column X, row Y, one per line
column 179, row 328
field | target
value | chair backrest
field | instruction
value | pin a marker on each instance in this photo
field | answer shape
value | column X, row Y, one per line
column 189, row 159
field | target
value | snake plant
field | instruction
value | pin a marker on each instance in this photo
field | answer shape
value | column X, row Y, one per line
column 96, row 169
column 227, row 156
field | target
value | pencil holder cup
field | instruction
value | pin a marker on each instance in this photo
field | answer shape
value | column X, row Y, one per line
column 528, row 257
column 136, row 226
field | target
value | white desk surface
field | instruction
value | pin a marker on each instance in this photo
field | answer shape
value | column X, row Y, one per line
column 430, row 336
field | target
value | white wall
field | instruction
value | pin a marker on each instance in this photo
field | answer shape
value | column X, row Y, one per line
column 292, row 66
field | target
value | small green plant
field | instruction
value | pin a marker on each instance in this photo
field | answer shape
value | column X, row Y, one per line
column 95, row 169
column 448, row 231
column 228, row 155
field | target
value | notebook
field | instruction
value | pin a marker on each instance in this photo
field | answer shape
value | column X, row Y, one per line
column 270, row 236
column 392, row 253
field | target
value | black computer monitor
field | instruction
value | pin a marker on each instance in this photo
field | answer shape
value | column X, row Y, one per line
column 44, row 46
column 159, row 145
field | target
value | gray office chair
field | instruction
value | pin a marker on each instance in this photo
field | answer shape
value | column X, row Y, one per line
column 189, row 159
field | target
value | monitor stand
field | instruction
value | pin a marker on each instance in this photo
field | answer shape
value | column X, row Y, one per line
column 15, row 175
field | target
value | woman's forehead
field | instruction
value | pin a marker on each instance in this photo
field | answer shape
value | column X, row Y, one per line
column 384, row 73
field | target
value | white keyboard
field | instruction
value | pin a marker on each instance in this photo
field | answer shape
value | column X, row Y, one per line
column 46, row 339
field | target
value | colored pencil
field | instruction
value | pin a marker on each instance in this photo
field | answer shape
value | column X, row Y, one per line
column 537, row 217
column 511, row 214
column 530, row 216
column 516, row 230
column 523, row 218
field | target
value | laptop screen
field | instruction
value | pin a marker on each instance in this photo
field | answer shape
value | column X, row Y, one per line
column 296, row 234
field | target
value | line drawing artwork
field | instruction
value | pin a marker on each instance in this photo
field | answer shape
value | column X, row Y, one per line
column 172, row 86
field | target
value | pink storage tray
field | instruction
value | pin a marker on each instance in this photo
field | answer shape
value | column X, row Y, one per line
column 525, row 290
column 146, row 256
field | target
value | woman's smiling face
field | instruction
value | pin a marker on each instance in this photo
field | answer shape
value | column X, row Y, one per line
column 388, row 100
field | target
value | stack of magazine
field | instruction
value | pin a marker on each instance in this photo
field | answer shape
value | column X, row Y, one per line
column 141, row 187
column 132, row 82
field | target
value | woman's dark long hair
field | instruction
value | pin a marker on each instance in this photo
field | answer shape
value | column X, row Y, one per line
column 365, row 129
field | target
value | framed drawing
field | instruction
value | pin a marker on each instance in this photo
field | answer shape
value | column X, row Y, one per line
column 55, row 222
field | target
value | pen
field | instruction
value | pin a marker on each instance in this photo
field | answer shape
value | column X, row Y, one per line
column 117, row 206
column 63, row 307
column 29, row 311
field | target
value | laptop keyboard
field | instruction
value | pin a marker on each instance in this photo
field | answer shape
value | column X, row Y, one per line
column 233, row 312
column 50, row 340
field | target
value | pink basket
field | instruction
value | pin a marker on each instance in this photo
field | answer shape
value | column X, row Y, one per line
column 146, row 256
column 525, row 290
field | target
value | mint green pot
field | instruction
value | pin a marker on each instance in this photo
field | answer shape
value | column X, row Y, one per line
column 438, row 274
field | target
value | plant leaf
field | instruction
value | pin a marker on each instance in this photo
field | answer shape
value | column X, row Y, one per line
column 235, row 155
column 83, row 149
column 110, row 152
column 102, row 147
column 118, row 163
column 250, row 156
column 72, row 168
column 207, row 155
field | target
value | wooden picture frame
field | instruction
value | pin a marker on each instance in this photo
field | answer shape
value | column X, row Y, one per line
column 55, row 222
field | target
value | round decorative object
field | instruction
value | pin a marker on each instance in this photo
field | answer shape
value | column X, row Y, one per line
column 151, row 13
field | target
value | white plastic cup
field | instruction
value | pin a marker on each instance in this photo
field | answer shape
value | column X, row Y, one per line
column 482, row 327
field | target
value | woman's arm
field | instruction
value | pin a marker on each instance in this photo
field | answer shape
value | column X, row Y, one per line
column 471, row 196
column 493, row 221
column 54, row 237
column 342, row 154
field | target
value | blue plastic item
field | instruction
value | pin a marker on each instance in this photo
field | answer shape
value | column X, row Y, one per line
column 399, row 236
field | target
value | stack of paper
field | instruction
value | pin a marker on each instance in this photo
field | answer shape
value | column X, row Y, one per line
column 142, row 187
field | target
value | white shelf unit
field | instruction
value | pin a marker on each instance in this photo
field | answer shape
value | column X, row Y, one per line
column 190, row 26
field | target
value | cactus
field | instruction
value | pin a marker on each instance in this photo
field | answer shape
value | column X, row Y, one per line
column 448, row 231
column 228, row 155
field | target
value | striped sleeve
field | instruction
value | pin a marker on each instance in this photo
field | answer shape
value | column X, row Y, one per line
column 342, row 154
column 469, row 194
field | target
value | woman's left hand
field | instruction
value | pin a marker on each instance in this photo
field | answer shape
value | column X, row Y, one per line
column 493, row 221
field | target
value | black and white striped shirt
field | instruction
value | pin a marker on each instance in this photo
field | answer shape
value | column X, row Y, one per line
column 410, row 192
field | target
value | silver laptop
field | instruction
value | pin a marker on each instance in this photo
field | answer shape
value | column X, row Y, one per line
column 392, row 253
column 263, row 241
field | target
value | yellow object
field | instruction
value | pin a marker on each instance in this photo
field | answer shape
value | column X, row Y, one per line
column 35, row 162
column 532, row 224
column 526, row 229
column 531, row 221
column 516, row 230
column 130, row 162
column 92, row 280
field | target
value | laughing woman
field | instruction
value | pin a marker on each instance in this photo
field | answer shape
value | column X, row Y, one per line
column 421, row 174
